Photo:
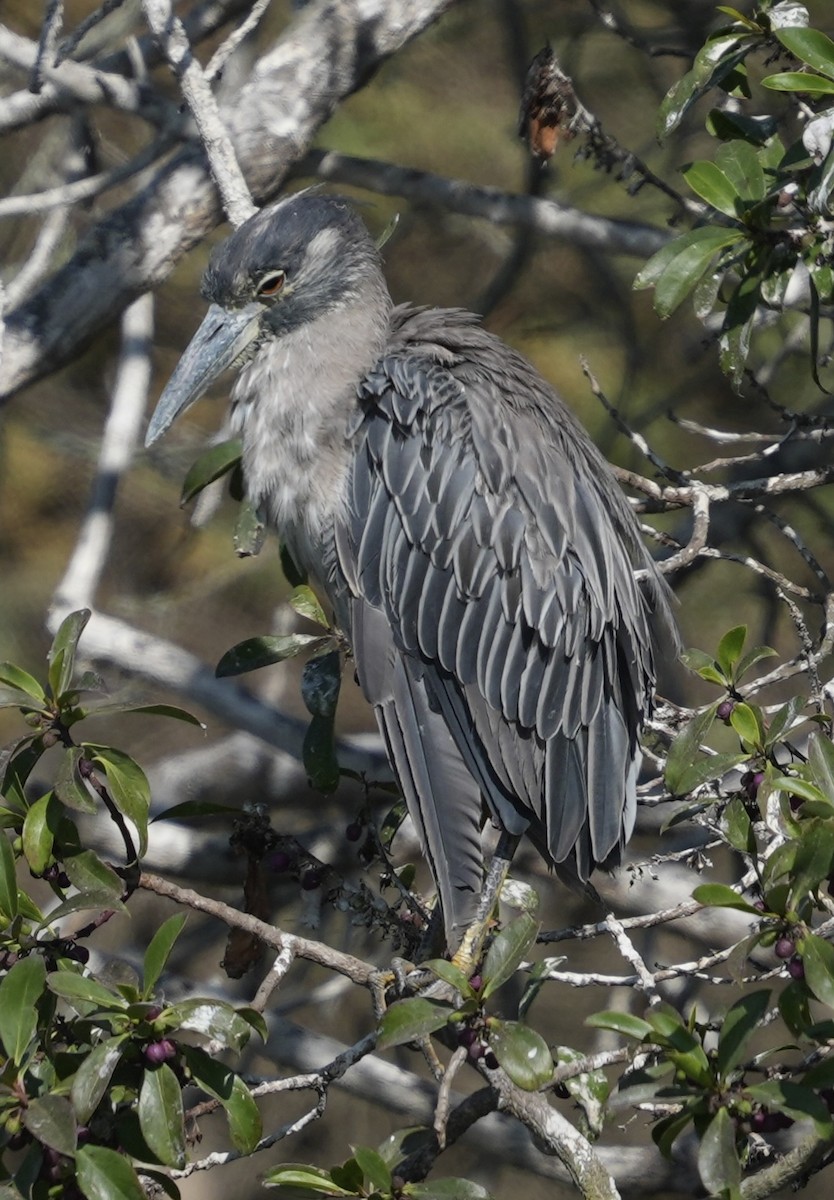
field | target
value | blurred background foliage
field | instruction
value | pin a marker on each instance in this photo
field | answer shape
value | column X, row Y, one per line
column 446, row 104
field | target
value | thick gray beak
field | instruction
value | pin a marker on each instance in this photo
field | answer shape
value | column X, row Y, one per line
column 217, row 343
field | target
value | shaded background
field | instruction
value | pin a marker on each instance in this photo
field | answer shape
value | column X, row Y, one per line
column 447, row 104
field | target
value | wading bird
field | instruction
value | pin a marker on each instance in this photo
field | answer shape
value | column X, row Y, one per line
column 474, row 544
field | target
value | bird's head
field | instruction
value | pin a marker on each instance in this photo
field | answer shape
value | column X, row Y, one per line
column 285, row 267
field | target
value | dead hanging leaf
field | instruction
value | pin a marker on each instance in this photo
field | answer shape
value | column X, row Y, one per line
column 245, row 950
column 548, row 106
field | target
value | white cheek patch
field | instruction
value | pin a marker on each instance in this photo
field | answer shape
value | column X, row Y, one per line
column 319, row 254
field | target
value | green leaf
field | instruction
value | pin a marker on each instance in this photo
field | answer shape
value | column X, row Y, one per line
column 321, row 681
column 507, row 951
column 8, row 881
column 716, row 59
column 814, row 860
column 523, row 1053
column 20, row 992
column 818, row 960
column 799, row 81
column 318, row 753
column 213, row 1019
column 161, row 1116
column 159, row 948
column 301, row 1178
column 214, row 1077
column 16, row 677
column 51, row 1120
column 718, row 895
column 740, row 163
column 61, row 656
column 685, row 748
column 742, row 1020
column 705, row 770
column 796, row 1101
column 666, row 1132
column 105, row 1175
column 215, row 463
column 250, row 531
column 39, row 830
column 708, row 181
column 738, row 828
column 257, row 652
column 412, row 1019
column 305, row 603
column 622, row 1022
column 112, row 708
column 84, row 902
column 730, row 648
column 374, row 1168
column 447, row 1189
column 718, row 1163
column 745, row 722
column 81, row 990
column 748, row 660
column 678, row 267
column 92, row 1078
column 821, row 762
column 70, row 788
column 450, row 974
column 88, row 873
column 128, row 787
column 809, row 46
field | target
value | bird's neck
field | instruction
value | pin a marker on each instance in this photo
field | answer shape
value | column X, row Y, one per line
column 293, row 401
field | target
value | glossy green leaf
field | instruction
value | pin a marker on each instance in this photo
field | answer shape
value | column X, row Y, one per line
column 257, row 652
column 718, row 1162
column 799, row 81
column 82, row 992
column 740, row 1023
column 704, row 770
column 92, row 1078
column 158, row 951
column 814, row 861
column 685, row 749
column 61, row 656
column 88, row 873
column 621, row 1022
column 507, row 952
column 523, row 1053
column 318, row 754
column 105, row 1175
column 51, row 1120
column 718, row 895
column 8, row 881
column 212, row 1018
column 810, row 46
column 85, row 902
column 20, row 991
column 737, row 827
column 447, row 1189
column 753, row 656
column 449, row 973
column 128, row 787
column 716, row 59
column 16, row 677
column 242, row 1114
column 746, row 724
column 173, row 711
column 730, row 649
column 39, row 830
column 216, row 462
column 161, row 1116
column 821, row 762
column 306, row 604
column 374, row 1167
column 739, row 161
column 70, row 788
column 708, row 181
column 818, row 961
column 412, row 1019
column 301, row 1178
column 321, row 681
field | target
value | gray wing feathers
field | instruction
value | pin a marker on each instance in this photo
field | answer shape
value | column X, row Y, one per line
column 488, row 531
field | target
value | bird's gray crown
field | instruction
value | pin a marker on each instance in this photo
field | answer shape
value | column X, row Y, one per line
column 317, row 240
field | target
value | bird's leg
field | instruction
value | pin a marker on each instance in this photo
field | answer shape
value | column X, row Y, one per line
column 468, row 953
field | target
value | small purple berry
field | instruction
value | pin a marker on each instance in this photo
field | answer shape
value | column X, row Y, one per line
column 759, row 905
column 85, row 768
column 476, row 982
column 160, row 1052
column 784, row 947
column 490, row 1061
column 311, row 879
column 754, row 783
column 796, row 968
column 476, row 1050
column 153, row 1012
column 353, row 832
column 724, row 710
column 279, row 861
column 467, row 1037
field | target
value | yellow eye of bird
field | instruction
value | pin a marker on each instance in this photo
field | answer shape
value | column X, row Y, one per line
column 272, row 283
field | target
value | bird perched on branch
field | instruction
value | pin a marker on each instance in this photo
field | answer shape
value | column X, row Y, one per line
column 474, row 544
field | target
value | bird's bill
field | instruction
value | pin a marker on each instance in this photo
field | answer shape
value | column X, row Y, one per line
column 222, row 336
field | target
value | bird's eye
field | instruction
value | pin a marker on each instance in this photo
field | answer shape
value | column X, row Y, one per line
column 272, row 283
